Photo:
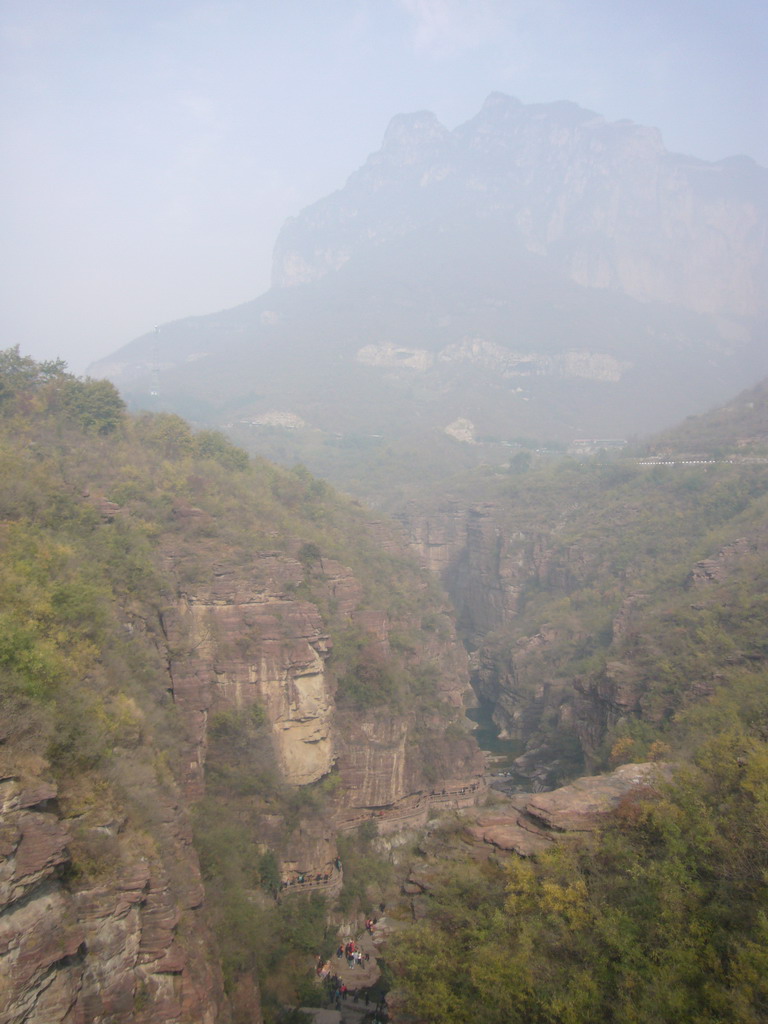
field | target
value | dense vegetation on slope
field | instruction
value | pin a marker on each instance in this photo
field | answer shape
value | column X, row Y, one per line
column 648, row 604
column 95, row 507
column 621, row 601
column 75, row 688
column 662, row 917
column 73, row 460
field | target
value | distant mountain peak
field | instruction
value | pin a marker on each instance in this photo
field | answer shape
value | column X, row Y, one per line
column 538, row 270
column 500, row 107
column 404, row 130
column 500, row 101
column 604, row 200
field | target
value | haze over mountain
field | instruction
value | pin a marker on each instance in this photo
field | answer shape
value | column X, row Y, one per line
column 536, row 273
column 151, row 152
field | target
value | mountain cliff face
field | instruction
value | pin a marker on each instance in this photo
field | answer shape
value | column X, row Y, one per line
column 197, row 654
column 604, row 201
column 243, row 638
column 537, row 274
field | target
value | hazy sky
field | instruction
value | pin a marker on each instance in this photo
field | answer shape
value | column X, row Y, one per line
column 151, row 149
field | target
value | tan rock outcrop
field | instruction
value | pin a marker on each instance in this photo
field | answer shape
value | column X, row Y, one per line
column 529, row 823
column 33, row 846
column 241, row 639
column 373, row 759
column 718, row 568
column 513, row 833
column 584, row 804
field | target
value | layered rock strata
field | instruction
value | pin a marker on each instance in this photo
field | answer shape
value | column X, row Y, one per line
column 241, row 639
column 75, row 951
column 117, row 931
column 530, row 823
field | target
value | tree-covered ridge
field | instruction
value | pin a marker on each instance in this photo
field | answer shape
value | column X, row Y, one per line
column 740, row 427
column 74, row 462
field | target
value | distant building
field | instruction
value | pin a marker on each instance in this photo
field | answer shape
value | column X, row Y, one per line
column 593, row 445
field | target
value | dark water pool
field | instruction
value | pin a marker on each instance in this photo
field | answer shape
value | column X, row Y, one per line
column 487, row 736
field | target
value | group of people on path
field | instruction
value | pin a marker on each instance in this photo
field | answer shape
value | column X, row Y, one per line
column 353, row 954
column 358, row 992
column 339, row 993
column 310, row 878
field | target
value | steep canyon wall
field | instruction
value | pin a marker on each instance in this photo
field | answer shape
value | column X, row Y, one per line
column 493, row 562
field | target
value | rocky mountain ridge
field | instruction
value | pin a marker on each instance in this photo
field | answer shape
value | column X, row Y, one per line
column 624, row 228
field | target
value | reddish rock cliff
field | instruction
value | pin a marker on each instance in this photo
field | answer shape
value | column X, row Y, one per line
column 77, row 949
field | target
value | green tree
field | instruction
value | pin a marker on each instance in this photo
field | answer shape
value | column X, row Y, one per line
column 94, row 404
column 19, row 373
